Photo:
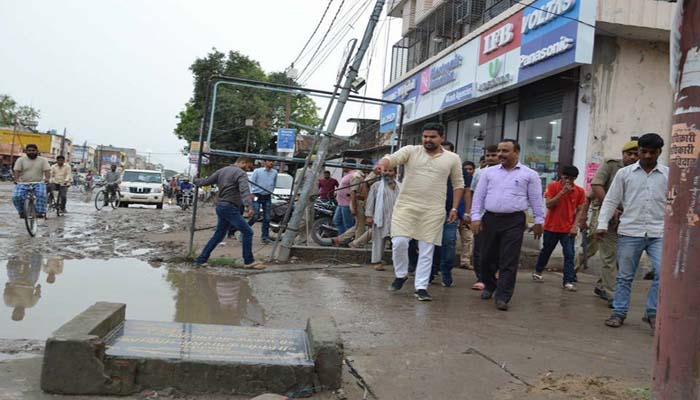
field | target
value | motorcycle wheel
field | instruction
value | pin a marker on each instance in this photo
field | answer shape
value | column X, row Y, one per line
column 321, row 234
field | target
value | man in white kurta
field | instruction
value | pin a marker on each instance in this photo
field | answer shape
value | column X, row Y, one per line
column 419, row 211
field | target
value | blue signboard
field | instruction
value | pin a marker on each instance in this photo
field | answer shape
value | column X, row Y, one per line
column 285, row 140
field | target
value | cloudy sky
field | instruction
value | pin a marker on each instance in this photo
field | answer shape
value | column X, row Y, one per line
column 116, row 71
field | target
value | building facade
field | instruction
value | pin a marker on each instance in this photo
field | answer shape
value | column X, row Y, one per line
column 571, row 80
column 83, row 157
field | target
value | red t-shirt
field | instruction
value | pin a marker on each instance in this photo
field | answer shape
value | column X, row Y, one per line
column 326, row 187
column 562, row 217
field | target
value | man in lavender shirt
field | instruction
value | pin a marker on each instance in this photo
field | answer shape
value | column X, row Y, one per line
column 504, row 192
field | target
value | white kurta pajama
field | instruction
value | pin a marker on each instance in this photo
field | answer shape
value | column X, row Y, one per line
column 419, row 212
column 379, row 206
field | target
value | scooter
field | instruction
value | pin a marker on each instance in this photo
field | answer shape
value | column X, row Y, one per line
column 322, row 229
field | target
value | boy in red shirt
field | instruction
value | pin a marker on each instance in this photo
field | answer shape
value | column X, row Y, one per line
column 564, row 200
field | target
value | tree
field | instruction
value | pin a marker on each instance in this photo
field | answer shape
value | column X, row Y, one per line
column 10, row 111
column 234, row 104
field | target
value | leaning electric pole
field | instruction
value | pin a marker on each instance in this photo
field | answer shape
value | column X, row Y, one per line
column 301, row 204
column 677, row 343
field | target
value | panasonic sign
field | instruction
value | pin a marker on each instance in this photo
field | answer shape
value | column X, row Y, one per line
column 547, row 13
column 552, row 50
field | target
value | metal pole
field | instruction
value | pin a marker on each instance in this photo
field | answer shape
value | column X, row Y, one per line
column 63, row 143
column 676, row 373
column 290, row 234
column 12, row 149
column 202, row 127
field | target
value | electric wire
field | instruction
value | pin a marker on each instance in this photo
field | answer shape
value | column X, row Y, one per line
column 333, row 43
column 340, row 7
column 347, row 19
column 328, row 6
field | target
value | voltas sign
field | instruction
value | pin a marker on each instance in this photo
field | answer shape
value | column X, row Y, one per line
column 540, row 40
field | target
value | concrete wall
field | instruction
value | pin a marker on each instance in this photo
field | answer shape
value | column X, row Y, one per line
column 652, row 14
column 629, row 94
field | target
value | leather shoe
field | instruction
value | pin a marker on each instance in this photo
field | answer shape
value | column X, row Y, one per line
column 501, row 305
column 486, row 295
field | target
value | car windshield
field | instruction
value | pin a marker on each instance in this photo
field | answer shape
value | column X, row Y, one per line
column 141, row 177
column 284, row 181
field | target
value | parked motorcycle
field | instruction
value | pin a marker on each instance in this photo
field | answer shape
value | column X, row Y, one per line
column 322, row 229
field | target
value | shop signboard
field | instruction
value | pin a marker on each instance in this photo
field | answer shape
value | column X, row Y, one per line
column 285, row 140
column 540, row 40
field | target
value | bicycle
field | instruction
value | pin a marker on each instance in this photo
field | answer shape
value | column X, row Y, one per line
column 53, row 202
column 30, row 215
column 112, row 200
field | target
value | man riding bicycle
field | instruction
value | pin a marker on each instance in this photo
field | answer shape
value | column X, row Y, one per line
column 61, row 177
column 31, row 168
column 112, row 180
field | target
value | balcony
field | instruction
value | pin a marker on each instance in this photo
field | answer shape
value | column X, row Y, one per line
column 449, row 21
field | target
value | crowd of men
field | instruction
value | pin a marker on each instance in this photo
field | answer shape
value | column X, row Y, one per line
column 487, row 208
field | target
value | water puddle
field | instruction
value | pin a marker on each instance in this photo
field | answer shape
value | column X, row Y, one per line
column 42, row 293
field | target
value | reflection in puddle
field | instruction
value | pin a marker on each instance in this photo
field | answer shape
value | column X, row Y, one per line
column 33, row 311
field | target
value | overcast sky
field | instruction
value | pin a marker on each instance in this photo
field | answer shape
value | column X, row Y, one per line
column 116, row 72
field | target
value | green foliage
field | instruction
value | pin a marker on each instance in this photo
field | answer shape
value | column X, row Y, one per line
column 235, row 104
column 9, row 111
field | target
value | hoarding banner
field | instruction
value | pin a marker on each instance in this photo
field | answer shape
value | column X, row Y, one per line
column 543, row 39
column 285, row 140
column 21, row 139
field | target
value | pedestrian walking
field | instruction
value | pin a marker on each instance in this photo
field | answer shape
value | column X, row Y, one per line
column 504, row 192
column 234, row 192
column 418, row 213
column 379, row 209
column 444, row 255
column 327, row 186
column 489, row 159
column 605, row 245
column 343, row 219
column 465, row 233
column 564, row 200
column 262, row 185
column 640, row 189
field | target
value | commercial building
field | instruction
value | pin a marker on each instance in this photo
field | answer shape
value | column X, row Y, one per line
column 571, row 80
column 83, row 156
column 12, row 143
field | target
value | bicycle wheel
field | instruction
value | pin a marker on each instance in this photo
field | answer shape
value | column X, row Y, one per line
column 100, row 200
column 30, row 216
column 116, row 198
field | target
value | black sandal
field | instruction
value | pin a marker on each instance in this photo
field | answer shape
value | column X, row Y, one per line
column 615, row 321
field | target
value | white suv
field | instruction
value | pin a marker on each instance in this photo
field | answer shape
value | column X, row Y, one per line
column 141, row 187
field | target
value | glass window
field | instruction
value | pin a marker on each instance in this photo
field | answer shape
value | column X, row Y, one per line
column 471, row 138
column 539, row 145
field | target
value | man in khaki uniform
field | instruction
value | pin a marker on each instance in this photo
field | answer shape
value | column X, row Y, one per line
column 607, row 244
column 359, row 187
column 419, row 210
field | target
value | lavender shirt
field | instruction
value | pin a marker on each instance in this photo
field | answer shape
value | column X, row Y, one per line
column 503, row 191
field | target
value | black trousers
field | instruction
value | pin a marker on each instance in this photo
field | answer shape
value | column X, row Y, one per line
column 501, row 241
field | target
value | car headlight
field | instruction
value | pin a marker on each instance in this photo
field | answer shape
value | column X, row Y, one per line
column 157, row 190
column 123, row 188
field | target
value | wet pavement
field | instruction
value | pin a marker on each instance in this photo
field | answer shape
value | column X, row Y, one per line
column 552, row 344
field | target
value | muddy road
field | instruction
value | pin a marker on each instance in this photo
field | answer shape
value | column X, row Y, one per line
column 552, row 344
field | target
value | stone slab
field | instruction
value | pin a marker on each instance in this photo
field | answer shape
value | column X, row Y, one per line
column 342, row 254
column 201, row 342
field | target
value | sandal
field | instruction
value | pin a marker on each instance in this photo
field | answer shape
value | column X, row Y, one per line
column 478, row 286
column 379, row 267
column 255, row 265
column 615, row 321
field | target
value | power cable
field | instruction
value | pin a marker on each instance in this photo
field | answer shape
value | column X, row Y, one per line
column 346, row 19
column 339, row 36
column 314, row 32
column 324, row 36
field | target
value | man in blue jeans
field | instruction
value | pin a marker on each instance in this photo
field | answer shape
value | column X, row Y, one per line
column 232, row 182
column 444, row 255
column 262, row 186
column 640, row 189
column 564, row 201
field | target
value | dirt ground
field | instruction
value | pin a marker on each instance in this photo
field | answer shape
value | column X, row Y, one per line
column 550, row 345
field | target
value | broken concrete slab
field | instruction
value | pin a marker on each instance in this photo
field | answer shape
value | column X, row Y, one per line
column 342, row 254
column 114, row 356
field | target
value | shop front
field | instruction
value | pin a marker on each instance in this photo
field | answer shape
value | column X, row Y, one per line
column 517, row 79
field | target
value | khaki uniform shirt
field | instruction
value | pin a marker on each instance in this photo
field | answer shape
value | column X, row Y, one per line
column 604, row 177
column 419, row 212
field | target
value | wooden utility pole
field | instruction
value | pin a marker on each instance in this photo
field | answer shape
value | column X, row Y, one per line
column 676, row 373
